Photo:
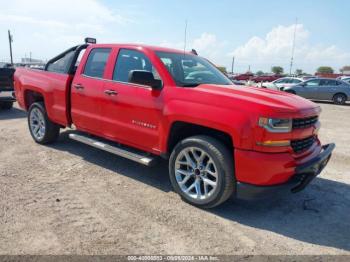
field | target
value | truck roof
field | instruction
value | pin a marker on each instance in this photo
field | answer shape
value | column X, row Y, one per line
column 142, row 46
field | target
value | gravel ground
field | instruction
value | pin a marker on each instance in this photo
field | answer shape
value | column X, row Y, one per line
column 68, row 198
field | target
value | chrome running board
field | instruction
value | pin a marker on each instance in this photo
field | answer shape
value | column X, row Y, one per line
column 130, row 154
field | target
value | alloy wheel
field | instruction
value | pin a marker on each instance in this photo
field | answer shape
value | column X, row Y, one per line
column 37, row 124
column 196, row 173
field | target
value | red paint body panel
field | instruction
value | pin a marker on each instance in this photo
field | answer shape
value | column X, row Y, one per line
column 234, row 110
column 52, row 86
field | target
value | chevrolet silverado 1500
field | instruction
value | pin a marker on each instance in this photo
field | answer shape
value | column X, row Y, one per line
column 145, row 103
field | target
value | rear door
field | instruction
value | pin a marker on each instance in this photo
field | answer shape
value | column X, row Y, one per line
column 328, row 88
column 87, row 91
column 310, row 89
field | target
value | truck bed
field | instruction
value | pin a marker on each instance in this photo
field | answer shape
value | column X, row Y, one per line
column 54, row 87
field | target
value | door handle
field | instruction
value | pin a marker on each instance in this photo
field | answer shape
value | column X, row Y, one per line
column 111, row 92
column 78, row 86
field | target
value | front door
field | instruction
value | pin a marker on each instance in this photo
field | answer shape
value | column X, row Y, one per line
column 131, row 113
column 328, row 87
column 310, row 89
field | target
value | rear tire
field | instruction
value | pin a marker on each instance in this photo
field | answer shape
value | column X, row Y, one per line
column 6, row 105
column 339, row 99
column 201, row 171
column 42, row 129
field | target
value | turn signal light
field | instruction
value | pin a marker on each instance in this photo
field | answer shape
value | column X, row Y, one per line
column 274, row 143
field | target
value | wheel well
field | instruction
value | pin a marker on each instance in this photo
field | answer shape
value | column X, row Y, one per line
column 182, row 130
column 340, row 93
column 291, row 92
column 31, row 97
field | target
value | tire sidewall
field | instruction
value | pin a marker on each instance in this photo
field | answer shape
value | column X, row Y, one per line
column 43, row 111
column 221, row 167
column 337, row 102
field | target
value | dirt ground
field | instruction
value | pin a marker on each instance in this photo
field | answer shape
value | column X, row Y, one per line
column 69, row 198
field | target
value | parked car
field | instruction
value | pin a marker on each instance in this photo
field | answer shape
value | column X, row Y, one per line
column 265, row 78
column 243, row 77
column 331, row 89
column 238, row 83
column 347, row 80
column 282, row 82
column 307, row 77
column 344, row 78
column 6, row 86
column 220, row 139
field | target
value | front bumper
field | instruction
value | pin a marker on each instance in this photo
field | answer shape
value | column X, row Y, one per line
column 304, row 174
column 7, row 96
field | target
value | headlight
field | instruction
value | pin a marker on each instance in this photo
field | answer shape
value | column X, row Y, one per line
column 275, row 125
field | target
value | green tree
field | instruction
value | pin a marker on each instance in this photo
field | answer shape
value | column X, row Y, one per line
column 299, row 72
column 278, row 70
column 259, row 73
column 222, row 69
column 325, row 70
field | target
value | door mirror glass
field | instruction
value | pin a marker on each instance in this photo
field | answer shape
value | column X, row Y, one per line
column 142, row 77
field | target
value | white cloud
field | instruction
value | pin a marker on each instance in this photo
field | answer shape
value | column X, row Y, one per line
column 276, row 49
column 207, row 45
column 45, row 26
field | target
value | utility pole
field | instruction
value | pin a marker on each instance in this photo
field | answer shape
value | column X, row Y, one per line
column 185, row 37
column 233, row 64
column 293, row 47
column 10, row 43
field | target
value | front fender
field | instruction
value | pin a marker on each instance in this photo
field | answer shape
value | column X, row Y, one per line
column 237, row 124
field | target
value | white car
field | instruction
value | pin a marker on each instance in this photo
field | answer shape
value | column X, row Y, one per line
column 346, row 79
column 282, row 82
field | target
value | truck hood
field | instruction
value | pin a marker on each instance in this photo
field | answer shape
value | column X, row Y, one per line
column 261, row 98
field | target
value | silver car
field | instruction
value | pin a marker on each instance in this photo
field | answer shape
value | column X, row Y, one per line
column 282, row 82
column 335, row 90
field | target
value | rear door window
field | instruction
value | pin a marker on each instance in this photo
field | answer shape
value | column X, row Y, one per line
column 96, row 62
column 328, row 82
column 314, row 82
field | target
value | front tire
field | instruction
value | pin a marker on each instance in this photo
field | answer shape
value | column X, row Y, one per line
column 201, row 171
column 42, row 129
column 339, row 99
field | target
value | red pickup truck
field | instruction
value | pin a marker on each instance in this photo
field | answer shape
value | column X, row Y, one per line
column 146, row 103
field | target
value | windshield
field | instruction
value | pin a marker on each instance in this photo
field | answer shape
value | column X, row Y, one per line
column 191, row 70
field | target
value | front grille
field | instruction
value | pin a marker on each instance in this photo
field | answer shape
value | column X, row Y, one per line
column 299, row 123
column 302, row 144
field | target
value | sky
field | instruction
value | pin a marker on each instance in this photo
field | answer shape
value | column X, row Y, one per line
column 257, row 33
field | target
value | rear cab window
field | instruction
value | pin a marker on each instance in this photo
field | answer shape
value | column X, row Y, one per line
column 62, row 64
column 96, row 62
